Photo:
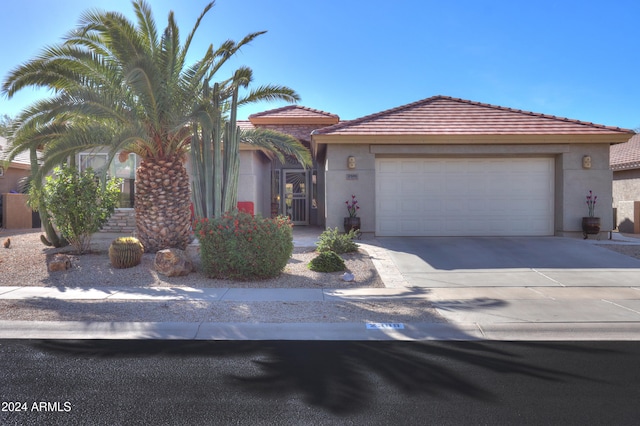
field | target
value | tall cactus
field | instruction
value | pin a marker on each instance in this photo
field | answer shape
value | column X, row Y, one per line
column 215, row 144
column 215, row 156
column 231, row 157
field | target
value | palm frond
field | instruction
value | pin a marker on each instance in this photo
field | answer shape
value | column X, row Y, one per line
column 277, row 143
column 270, row 93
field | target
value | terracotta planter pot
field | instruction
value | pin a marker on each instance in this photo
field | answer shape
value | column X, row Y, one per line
column 590, row 226
column 351, row 223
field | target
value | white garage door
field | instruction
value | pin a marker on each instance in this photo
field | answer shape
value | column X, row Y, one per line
column 464, row 197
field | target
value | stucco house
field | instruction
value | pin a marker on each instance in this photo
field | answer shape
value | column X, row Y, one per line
column 12, row 172
column 451, row 167
column 625, row 164
column 13, row 213
column 440, row 166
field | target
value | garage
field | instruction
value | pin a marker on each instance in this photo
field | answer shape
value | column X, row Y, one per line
column 464, row 196
column 444, row 166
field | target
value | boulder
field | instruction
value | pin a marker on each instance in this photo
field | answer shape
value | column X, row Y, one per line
column 59, row 262
column 173, row 262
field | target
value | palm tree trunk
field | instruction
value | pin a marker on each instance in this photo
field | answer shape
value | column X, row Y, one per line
column 162, row 200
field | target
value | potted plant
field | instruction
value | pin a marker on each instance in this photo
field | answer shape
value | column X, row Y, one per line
column 352, row 222
column 591, row 223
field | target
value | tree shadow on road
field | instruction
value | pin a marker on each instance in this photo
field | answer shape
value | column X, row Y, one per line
column 337, row 376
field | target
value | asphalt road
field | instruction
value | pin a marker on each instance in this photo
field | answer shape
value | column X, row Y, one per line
column 318, row 382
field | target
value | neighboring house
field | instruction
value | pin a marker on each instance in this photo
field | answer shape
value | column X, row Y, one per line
column 625, row 163
column 10, row 175
column 451, row 167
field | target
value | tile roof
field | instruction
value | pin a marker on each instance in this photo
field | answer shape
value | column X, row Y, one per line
column 245, row 125
column 626, row 155
column 443, row 115
column 21, row 159
column 292, row 114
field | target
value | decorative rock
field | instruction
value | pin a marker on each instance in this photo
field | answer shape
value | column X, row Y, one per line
column 348, row 277
column 59, row 262
column 173, row 262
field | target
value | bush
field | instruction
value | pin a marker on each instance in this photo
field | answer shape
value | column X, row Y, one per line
column 241, row 246
column 333, row 240
column 327, row 261
column 79, row 203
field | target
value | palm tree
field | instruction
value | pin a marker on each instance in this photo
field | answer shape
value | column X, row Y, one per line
column 124, row 86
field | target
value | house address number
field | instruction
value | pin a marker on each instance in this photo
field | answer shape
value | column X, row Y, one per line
column 352, row 176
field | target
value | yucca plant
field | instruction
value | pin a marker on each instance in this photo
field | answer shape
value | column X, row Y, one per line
column 125, row 252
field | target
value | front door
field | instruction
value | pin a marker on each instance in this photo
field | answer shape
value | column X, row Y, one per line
column 296, row 196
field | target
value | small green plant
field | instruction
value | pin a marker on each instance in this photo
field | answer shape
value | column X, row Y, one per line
column 334, row 240
column 125, row 252
column 241, row 246
column 79, row 203
column 327, row 261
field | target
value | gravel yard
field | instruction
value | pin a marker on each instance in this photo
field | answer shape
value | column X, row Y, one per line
column 24, row 264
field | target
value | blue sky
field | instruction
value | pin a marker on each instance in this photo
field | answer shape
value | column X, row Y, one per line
column 575, row 59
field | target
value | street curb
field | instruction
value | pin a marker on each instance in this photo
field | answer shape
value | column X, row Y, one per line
column 82, row 330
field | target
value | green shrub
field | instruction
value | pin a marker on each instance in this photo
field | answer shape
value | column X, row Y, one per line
column 327, row 261
column 243, row 247
column 79, row 203
column 335, row 241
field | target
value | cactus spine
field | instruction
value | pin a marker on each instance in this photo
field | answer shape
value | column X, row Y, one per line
column 125, row 252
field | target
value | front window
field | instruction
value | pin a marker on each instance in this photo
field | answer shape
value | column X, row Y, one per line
column 124, row 170
column 97, row 162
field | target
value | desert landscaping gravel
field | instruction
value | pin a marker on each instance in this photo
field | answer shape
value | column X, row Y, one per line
column 24, row 264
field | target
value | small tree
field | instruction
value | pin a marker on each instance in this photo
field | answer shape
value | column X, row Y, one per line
column 79, row 203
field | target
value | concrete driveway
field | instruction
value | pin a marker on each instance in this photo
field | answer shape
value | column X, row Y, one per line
column 437, row 262
column 546, row 288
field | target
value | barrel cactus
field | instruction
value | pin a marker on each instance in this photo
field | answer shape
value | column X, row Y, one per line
column 125, row 252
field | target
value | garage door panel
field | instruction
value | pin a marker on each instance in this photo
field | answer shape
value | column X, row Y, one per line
column 477, row 196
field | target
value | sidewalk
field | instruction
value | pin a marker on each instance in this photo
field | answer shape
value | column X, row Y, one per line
column 548, row 311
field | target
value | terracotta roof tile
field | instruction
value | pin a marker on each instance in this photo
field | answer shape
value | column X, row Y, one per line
column 245, row 125
column 294, row 114
column 443, row 115
column 624, row 156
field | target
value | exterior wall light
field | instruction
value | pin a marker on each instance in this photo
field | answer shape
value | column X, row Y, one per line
column 586, row 162
column 351, row 162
